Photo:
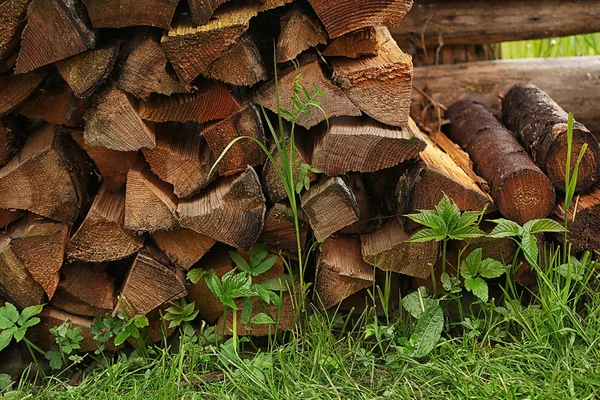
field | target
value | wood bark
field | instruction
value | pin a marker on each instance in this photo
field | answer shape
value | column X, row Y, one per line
column 85, row 289
column 150, row 204
column 14, row 89
column 246, row 122
column 363, row 43
column 388, row 249
column 151, row 283
column 55, row 30
column 541, row 125
column 343, row 16
column 86, row 71
column 13, row 15
column 584, row 221
column 124, row 13
column 113, row 165
column 279, row 231
column 115, row 124
column 341, row 271
column 184, row 247
column 9, row 141
column 334, row 103
column 232, row 211
column 182, row 158
column 380, row 86
column 210, row 102
column 61, row 190
column 460, row 22
column 519, row 188
column 423, row 185
column 202, row 10
column 573, row 82
column 101, row 237
column 330, row 206
column 300, row 30
column 350, row 143
column 242, row 64
column 191, row 49
column 145, row 70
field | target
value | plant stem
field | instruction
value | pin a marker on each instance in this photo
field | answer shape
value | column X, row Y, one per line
column 444, row 246
column 235, row 338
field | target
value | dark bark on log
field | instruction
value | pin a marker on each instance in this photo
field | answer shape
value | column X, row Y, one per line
column 584, row 221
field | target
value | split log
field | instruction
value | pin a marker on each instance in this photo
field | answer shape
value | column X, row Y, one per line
column 202, row 10
column 191, row 49
column 181, row 157
column 115, row 124
column 7, row 217
column 541, row 125
column 56, row 104
column 343, row 16
column 573, row 82
column 210, row 102
column 461, row 22
column 55, row 30
column 363, row 43
column 85, row 289
column 334, row 103
column 380, row 86
column 271, row 4
column 242, row 64
column 113, row 165
column 279, row 231
column 330, row 206
column 57, row 193
column 184, row 247
column 145, row 70
column 369, row 215
column 423, row 185
column 300, row 31
column 232, row 211
column 519, row 188
column 14, row 89
column 584, row 221
column 124, row 13
column 389, row 250
column 86, row 71
column 9, row 142
column 350, row 144
column 151, row 283
column 150, row 204
column 341, row 271
column 13, row 15
column 246, row 122
column 51, row 317
column 102, row 237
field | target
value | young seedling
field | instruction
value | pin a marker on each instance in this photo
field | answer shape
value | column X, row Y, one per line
column 14, row 325
column 67, row 341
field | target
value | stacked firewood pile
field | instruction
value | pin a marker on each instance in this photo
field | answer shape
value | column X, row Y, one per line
column 114, row 112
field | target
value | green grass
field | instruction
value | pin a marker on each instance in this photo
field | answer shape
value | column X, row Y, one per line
column 569, row 46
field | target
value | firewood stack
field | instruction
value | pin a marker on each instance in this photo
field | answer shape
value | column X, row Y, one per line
column 113, row 113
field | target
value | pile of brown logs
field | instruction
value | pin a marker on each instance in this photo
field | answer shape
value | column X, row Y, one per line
column 114, row 112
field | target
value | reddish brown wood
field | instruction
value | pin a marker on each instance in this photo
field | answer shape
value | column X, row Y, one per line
column 13, row 15
column 184, row 247
column 124, row 13
column 300, row 30
column 279, row 231
column 14, row 89
column 366, row 42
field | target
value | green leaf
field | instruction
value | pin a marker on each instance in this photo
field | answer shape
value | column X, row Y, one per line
column 5, row 323
column 417, row 302
column 264, row 266
column 240, row 261
column 468, row 218
column 55, row 358
column 258, row 253
column 239, row 286
column 229, row 303
column 262, row 319
column 505, row 228
column 246, row 311
column 10, row 312
column 279, row 283
column 466, row 232
column 6, row 336
column 299, row 187
column 29, row 312
column 5, row 382
column 543, row 225
column 214, row 285
column 122, row 337
column 478, row 287
column 451, row 284
column 428, row 332
column 529, row 247
column 469, row 267
column 428, row 218
column 196, row 275
column 140, row 321
column 426, row 235
column 448, row 212
column 491, row 268
column 20, row 334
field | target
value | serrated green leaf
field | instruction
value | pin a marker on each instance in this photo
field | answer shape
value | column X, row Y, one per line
column 29, row 312
column 478, row 287
column 196, row 275
column 10, row 312
column 239, row 286
column 426, row 235
column 55, row 358
column 428, row 218
column 529, row 247
column 6, row 336
column 20, row 334
column 466, row 232
column 258, row 253
column 428, row 332
column 505, row 228
column 246, row 311
column 140, row 321
column 491, row 268
column 214, row 285
column 469, row 267
column 544, row 225
column 450, row 284
column 468, row 218
column 5, row 323
column 122, row 337
column 229, row 303
column 448, row 212
column 264, row 266
column 262, row 319
column 241, row 263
